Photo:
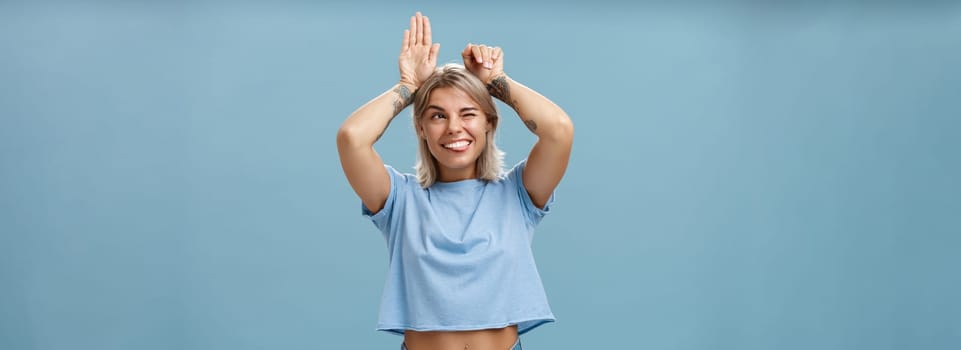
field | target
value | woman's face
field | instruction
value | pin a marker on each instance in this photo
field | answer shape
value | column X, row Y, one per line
column 455, row 129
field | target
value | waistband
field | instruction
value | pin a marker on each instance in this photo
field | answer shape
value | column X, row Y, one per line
column 517, row 345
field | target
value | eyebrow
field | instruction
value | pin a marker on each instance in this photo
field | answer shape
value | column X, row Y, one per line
column 462, row 110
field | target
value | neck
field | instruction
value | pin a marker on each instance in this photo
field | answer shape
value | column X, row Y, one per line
column 451, row 175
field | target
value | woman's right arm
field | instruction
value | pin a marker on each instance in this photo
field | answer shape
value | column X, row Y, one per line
column 356, row 137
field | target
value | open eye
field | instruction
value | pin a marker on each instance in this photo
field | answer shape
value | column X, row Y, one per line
column 437, row 116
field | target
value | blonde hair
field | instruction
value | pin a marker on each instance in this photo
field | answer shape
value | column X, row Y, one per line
column 490, row 163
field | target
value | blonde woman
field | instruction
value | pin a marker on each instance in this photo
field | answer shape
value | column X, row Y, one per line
column 461, row 273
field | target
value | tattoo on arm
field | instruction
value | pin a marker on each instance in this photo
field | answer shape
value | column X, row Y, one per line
column 531, row 125
column 500, row 88
column 405, row 98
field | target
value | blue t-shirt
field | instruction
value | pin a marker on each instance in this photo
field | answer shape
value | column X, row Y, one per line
column 459, row 255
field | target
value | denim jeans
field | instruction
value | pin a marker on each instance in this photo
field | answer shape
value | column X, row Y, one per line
column 517, row 345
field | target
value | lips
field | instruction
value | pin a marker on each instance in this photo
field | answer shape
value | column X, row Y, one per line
column 458, row 145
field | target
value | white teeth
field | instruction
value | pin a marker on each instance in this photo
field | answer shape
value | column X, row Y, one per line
column 457, row 144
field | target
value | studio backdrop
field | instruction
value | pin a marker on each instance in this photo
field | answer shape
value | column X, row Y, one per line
column 746, row 175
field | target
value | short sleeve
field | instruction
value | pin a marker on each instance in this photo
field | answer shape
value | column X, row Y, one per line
column 382, row 218
column 531, row 211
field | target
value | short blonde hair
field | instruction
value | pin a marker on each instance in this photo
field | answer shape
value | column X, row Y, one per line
column 490, row 163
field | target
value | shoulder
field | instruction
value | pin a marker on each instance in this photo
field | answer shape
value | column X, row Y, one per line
column 516, row 171
column 512, row 178
column 399, row 178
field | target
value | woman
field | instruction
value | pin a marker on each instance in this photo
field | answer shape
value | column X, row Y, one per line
column 461, row 273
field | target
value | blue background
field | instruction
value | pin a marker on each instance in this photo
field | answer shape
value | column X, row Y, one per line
column 754, row 175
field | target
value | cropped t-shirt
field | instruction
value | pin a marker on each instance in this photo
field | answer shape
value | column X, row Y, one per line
column 459, row 255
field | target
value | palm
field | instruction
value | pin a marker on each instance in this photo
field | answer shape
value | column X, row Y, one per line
column 418, row 55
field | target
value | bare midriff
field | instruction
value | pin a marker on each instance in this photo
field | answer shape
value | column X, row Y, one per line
column 482, row 339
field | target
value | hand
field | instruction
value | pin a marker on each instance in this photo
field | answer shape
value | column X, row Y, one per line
column 418, row 56
column 484, row 61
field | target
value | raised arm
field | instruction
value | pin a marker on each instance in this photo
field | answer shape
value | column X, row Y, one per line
column 356, row 137
column 548, row 159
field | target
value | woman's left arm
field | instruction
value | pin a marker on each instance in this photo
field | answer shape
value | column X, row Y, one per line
column 548, row 159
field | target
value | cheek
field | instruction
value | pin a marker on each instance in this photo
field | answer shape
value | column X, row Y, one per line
column 430, row 132
column 481, row 136
column 481, row 130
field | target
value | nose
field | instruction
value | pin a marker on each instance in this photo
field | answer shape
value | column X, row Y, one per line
column 454, row 125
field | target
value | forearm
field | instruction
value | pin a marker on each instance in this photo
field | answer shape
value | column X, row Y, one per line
column 365, row 125
column 541, row 115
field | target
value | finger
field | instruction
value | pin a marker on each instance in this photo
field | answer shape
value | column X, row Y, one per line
column 488, row 63
column 466, row 55
column 406, row 43
column 432, row 56
column 477, row 52
column 427, row 35
column 419, row 37
column 413, row 30
column 496, row 55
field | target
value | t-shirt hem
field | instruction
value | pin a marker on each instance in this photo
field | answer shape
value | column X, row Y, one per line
column 399, row 329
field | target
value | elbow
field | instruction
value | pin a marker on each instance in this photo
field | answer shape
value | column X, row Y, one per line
column 561, row 130
column 350, row 137
column 567, row 126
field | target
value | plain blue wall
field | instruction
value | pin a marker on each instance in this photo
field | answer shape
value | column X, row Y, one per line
column 744, row 176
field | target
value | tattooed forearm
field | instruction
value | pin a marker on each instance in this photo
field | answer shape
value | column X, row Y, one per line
column 531, row 125
column 500, row 88
column 405, row 98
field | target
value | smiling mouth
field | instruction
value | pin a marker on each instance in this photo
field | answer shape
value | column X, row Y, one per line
column 458, row 145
